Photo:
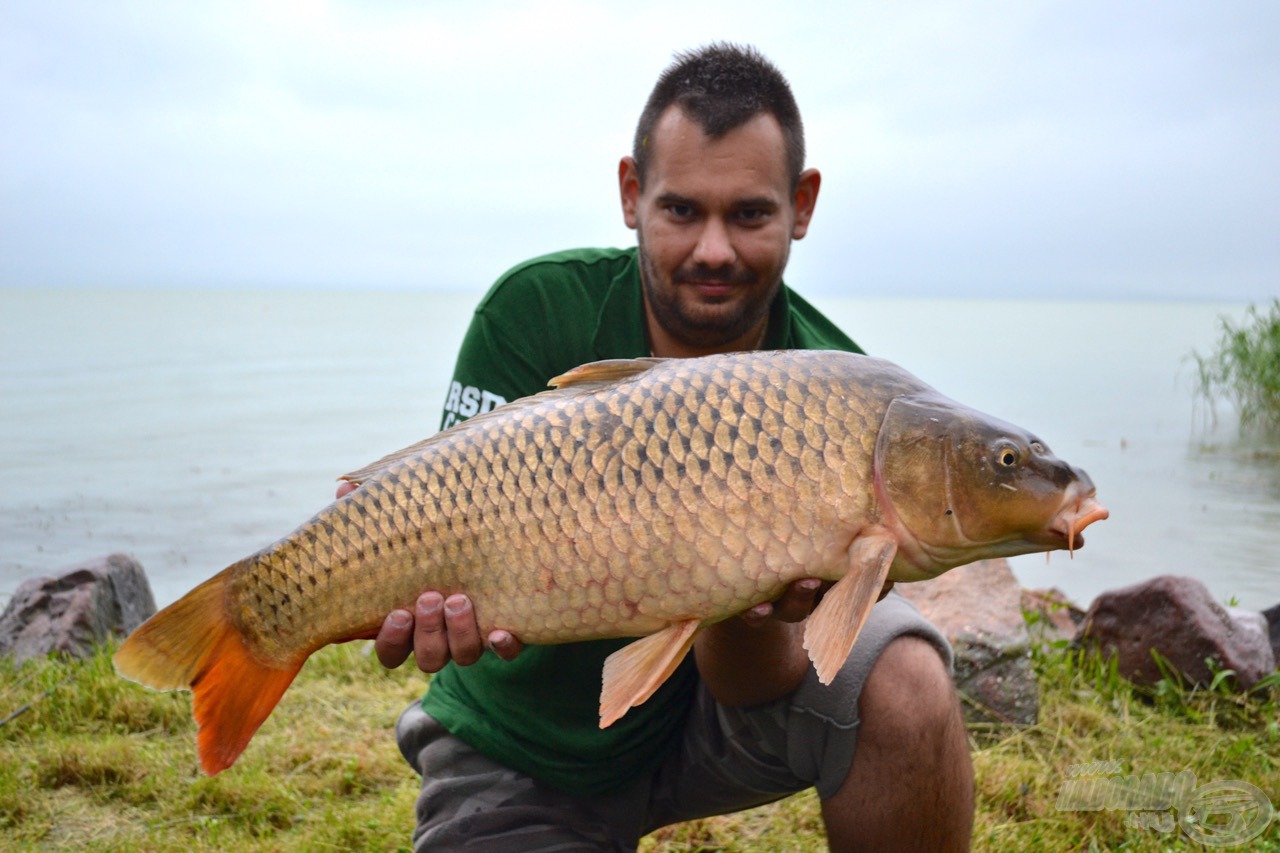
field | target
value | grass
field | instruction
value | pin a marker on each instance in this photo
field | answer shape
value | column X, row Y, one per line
column 1245, row 369
column 98, row 763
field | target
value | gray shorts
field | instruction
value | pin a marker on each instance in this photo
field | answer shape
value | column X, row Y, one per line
column 729, row 759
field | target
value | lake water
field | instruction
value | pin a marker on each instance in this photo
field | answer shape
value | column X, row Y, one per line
column 189, row 428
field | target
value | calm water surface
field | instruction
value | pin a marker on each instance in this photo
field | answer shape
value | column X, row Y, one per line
column 189, row 428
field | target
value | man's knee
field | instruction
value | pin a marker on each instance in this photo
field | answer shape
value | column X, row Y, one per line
column 909, row 692
column 911, row 783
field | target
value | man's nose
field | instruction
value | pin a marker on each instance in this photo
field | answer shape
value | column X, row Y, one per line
column 714, row 248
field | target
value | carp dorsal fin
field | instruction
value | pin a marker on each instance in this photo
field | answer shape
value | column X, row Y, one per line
column 833, row 626
column 367, row 472
column 573, row 382
column 374, row 468
column 609, row 370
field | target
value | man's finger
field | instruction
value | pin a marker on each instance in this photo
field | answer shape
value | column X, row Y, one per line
column 465, row 644
column 758, row 615
column 395, row 640
column 430, row 643
column 797, row 601
column 504, row 645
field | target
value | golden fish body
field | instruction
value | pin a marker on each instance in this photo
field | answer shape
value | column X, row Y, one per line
column 640, row 498
column 605, row 509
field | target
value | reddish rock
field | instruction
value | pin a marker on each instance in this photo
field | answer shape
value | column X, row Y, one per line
column 979, row 609
column 1177, row 617
column 1272, row 615
column 77, row 610
column 1251, row 621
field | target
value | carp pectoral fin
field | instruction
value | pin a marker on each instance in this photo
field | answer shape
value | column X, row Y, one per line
column 192, row 645
column 633, row 672
column 832, row 628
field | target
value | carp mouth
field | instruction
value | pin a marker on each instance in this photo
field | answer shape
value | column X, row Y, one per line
column 1074, row 517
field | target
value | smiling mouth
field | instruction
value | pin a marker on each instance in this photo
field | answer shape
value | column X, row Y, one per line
column 712, row 288
column 718, row 280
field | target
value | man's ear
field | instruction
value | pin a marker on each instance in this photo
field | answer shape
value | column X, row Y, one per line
column 629, row 190
column 806, row 198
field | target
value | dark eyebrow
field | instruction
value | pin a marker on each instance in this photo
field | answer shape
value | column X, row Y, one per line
column 675, row 198
column 758, row 203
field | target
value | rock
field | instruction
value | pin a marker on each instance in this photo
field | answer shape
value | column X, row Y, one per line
column 979, row 609
column 1251, row 621
column 77, row 610
column 1176, row 617
column 1272, row 615
column 1056, row 617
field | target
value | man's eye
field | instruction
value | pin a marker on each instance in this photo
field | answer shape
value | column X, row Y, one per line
column 680, row 211
column 752, row 215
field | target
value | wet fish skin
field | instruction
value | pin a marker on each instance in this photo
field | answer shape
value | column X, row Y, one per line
column 569, row 517
column 641, row 498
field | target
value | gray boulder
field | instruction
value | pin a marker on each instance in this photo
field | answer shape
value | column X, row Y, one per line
column 77, row 610
column 979, row 609
column 1178, row 618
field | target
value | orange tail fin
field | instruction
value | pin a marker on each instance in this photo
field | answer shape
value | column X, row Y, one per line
column 191, row 644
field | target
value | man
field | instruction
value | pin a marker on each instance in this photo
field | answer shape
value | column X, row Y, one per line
column 507, row 742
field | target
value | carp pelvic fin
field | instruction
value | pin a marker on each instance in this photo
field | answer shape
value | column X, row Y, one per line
column 609, row 370
column 833, row 627
column 192, row 645
column 633, row 672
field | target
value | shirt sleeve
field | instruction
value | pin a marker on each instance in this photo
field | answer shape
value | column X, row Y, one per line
column 511, row 348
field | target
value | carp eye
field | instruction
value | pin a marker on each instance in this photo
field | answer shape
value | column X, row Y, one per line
column 1007, row 457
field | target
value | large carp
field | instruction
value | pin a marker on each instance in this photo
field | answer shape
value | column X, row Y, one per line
column 641, row 498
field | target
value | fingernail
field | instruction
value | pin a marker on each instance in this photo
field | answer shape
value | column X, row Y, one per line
column 400, row 619
column 810, row 584
column 455, row 604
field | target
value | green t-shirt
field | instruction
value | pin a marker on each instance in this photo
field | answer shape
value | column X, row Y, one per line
column 539, row 713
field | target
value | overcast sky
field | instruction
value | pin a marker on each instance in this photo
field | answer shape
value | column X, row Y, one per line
column 1041, row 149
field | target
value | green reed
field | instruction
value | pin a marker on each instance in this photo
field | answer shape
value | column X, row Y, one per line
column 1244, row 369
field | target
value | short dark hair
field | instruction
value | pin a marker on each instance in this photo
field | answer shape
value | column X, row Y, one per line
column 721, row 87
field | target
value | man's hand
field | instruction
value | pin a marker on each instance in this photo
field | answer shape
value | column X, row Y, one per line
column 760, row 656
column 436, row 631
column 794, row 605
column 796, row 602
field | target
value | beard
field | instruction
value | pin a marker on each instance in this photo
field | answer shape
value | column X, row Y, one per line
column 707, row 323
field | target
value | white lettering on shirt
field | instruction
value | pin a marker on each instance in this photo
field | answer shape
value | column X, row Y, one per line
column 465, row 401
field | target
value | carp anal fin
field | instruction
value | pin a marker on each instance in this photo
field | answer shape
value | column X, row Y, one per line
column 833, row 627
column 635, row 671
column 192, row 645
column 609, row 370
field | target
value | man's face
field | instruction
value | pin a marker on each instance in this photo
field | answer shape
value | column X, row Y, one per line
column 714, row 221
